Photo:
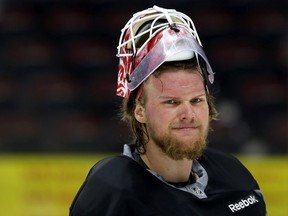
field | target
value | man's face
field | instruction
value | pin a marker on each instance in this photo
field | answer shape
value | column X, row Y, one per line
column 176, row 113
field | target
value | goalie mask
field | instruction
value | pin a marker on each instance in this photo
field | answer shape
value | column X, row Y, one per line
column 152, row 37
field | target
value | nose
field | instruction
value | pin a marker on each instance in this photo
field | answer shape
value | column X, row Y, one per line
column 187, row 112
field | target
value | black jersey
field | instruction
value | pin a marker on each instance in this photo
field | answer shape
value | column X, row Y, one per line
column 119, row 186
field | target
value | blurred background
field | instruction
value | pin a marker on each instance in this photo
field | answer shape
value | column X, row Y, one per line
column 59, row 111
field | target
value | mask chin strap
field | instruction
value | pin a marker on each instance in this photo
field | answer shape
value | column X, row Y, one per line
column 203, row 70
column 139, row 92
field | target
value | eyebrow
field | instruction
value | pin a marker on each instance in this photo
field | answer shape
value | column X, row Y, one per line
column 175, row 97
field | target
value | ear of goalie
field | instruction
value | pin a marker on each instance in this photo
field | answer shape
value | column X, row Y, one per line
column 152, row 37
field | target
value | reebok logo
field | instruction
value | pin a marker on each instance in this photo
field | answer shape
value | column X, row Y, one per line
column 243, row 203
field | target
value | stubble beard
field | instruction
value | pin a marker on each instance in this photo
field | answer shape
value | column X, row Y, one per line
column 177, row 149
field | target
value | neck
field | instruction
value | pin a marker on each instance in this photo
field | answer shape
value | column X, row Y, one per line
column 171, row 170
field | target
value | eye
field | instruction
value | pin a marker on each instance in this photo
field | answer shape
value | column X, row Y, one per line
column 172, row 102
column 196, row 100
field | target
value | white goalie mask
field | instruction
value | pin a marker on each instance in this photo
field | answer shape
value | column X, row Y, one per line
column 152, row 37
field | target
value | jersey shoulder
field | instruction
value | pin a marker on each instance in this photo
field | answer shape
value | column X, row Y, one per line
column 226, row 172
column 105, row 187
column 114, row 166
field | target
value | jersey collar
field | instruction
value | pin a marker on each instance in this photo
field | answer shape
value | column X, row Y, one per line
column 197, row 188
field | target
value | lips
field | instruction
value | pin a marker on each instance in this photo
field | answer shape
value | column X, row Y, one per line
column 186, row 128
column 183, row 127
